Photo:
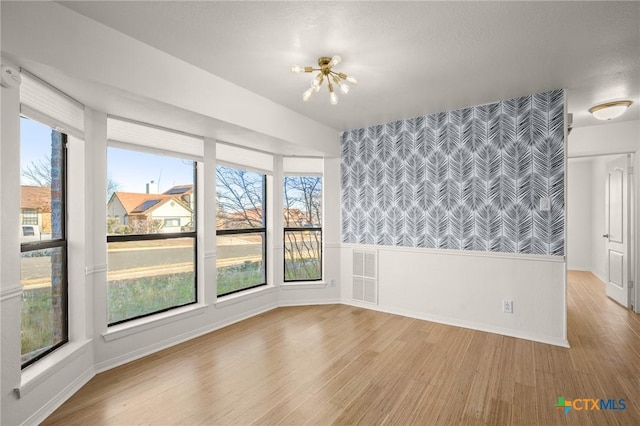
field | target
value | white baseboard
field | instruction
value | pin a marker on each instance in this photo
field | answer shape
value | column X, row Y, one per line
column 54, row 403
column 601, row 278
column 148, row 350
column 462, row 323
column 308, row 302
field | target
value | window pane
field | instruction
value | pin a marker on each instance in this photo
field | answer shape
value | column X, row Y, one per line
column 240, row 262
column 149, row 276
column 41, row 183
column 44, row 299
column 240, row 197
column 149, row 193
column 302, row 255
column 302, row 201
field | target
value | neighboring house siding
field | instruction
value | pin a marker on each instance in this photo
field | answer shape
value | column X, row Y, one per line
column 171, row 210
column 115, row 209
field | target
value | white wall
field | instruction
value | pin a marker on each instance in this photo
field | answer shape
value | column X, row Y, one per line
column 466, row 289
column 604, row 139
column 579, row 214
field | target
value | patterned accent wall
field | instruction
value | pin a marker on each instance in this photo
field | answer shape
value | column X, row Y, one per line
column 470, row 179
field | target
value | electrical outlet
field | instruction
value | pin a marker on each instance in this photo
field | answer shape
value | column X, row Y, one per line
column 507, row 306
column 332, row 282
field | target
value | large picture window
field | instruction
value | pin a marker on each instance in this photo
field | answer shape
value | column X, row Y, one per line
column 240, row 230
column 43, row 264
column 302, row 228
column 151, row 234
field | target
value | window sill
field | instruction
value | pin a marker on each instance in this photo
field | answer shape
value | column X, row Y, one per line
column 35, row 375
column 299, row 285
column 136, row 326
column 232, row 299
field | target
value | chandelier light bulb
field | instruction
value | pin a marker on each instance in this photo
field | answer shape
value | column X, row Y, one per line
column 316, row 89
column 307, row 94
column 334, row 98
column 297, row 69
column 344, row 87
column 335, row 61
column 352, row 80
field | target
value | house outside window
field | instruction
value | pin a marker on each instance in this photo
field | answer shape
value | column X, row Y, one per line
column 43, row 264
column 241, row 234
column 151, row 235
column 302, row 228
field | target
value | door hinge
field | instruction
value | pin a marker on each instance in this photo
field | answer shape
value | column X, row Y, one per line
column 630, row 170
column 630, row 284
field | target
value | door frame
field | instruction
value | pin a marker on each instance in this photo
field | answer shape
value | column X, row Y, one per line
column 634, row 242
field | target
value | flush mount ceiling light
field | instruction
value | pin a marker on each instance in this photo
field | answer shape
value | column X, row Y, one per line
column 326, row 73
column 610, row 110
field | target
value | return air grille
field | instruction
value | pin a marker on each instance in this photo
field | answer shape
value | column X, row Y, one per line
column 365, row 276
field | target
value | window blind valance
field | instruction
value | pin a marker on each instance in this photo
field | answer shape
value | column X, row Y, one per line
column 43, row 102
column 307, row 166
column 134, row 135
column 244, row 158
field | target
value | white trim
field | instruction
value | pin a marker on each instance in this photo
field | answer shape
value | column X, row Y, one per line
column 241, row 296
column 303, row 285
column 336, row 245
column 451, row 252
column 41, row 371
column 464, row 324
column 152, row 321
column 184, row 337
column 232, row 165
column 310, row 302
column 11, row 293
column 95, row 269
column 54, row 403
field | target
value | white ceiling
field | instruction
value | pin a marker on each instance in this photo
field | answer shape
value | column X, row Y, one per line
column 411, row 58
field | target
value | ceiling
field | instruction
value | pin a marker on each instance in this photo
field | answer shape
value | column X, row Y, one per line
column 411, row 58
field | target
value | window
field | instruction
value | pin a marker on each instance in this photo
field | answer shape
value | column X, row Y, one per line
column 302, row 228
column 29, row 217
column 43, row 263
column 151, row 234
column 171, row 223
column 240, row 229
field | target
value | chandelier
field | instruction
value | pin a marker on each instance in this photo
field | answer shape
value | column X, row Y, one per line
column 326, row 73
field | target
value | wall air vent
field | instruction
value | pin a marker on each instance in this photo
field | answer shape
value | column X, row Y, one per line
column 365, row 276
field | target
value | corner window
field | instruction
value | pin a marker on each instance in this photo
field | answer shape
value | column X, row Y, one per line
column 151, row 234
column 240, row 230
column 43, row 264
column 302, row 228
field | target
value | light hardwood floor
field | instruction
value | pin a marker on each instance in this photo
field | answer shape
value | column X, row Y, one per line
column 342, row 365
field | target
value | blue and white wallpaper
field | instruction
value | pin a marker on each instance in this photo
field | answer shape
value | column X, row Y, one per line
column 469, row 179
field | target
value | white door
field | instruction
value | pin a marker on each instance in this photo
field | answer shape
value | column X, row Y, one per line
column 617, row 233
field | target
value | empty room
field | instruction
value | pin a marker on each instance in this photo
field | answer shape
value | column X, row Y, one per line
column 405, row 213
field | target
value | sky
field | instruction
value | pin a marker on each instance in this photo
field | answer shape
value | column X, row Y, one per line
column 132, row 170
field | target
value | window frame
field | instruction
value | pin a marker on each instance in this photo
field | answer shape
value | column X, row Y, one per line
column 166, row 236
column 300, row 229
column 60, row 243
column 262, row 230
